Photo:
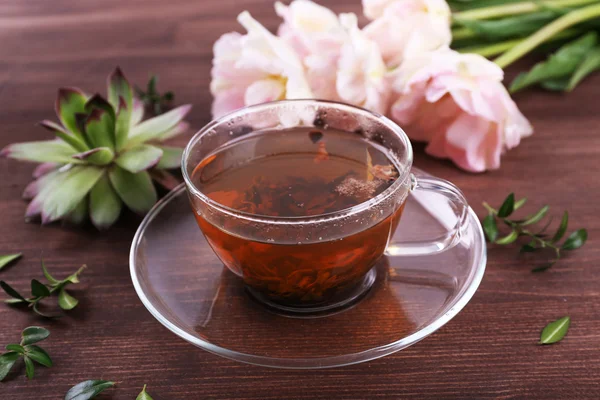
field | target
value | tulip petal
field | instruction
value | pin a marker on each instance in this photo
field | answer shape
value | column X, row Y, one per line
column 55, row 151
column 64, row 197
column 97, row 156
column 171, row 157
column 139, row 158
column 99, row 128
column 105, row 204
column 155, row 127
column 136, row 190
column 71, row 101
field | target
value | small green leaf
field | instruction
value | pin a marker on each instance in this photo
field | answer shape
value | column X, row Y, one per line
column 507, row 207
column 87, row 389
column 29, row 367
column 590, row 63
column 51, row 280
column 537, row 217
column 39, row 355
column 555, row 331
column 10, row 291
column 7, row 360
column 16, row 348
column 139, row 158
column 508, row 239
column 14, row 301
column 545, row 266
column 558, row 65
column 38, row 289
column 66, row 301
column 33, row 334
column 8, row 258
column 105, row 204
column 490, row 228
column 575, row 240
column 171, row 157
column 41, row 313
column 520, row 203
column 74, row 278
column 562, row 229
column 528, row 248
column 143, row 395
column 136, row 190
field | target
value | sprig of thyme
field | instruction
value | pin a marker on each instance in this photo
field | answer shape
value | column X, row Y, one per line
column 523, row 228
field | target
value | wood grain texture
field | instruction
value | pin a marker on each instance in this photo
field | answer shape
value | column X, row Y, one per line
column 488, row 351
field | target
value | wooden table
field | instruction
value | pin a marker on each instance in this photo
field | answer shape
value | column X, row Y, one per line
column 488, row 351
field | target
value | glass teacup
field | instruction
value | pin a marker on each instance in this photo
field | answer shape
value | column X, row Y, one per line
column 306, row 261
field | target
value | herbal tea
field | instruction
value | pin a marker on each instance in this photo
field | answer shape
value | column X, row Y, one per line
column 296, row 173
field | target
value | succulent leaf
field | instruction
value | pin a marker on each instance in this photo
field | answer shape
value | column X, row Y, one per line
column 71, row 101
column 122, row 125
column 137, row 113
column 98, row 102
column 171, row 157
column 76, row 185
column 46, row 185
column 139, row 158
column 79, row 213
column 105, row 204
column 61, row 133
column 136, row 190
column 55, row 151
column 34, row 187
column 118, row 86
column 175, row 131
column 44, row 169
column 153, row 128
column 100, row 128
column 97, row 156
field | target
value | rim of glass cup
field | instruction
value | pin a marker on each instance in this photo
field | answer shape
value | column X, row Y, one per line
column 335, row 215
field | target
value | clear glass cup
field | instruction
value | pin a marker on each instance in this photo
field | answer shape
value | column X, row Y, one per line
column 307, row 238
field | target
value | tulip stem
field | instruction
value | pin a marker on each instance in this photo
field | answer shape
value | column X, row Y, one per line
column 517, row 8
column 548, row 31
column 462, row 33
column 499, row 48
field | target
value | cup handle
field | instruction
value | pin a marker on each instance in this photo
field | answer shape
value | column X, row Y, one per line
column 446, row 240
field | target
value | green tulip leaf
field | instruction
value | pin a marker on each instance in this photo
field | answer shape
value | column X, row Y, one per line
column 590, row 63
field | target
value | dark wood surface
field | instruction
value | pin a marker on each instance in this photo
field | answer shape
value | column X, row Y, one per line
column 488, row 351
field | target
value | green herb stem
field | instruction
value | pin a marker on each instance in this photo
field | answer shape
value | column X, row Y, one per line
column 462, row 33
column 547, row 32
column 499, row 48
column 517, row 8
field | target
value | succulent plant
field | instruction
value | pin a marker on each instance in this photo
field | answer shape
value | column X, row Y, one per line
column 104, row 156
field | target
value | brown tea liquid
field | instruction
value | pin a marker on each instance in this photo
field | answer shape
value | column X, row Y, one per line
column 300, row 172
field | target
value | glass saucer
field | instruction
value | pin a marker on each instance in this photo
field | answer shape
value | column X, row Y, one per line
column 185, row 286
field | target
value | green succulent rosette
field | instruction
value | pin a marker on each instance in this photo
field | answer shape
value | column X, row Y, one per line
column 104, row 156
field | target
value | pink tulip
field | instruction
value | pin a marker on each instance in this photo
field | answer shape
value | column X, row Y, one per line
column 403, row 28
column 458, row 104
column 254, row 68
column 361, row 70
